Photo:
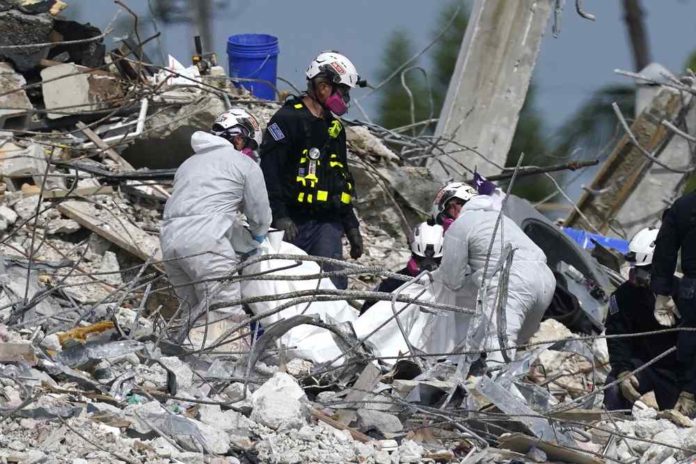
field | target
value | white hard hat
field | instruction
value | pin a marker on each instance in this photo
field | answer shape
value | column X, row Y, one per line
column 238, row 121
column 461, row 190
column 427, row 240
column 642, row 247
column 336, row 67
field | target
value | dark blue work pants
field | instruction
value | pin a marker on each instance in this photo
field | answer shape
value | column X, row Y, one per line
column 662, row 382
column 318, row 238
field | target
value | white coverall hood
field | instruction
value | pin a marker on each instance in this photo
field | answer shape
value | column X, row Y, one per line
column 203, row 228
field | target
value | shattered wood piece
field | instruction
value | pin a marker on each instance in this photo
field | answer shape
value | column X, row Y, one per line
column 522, row 444
column 366, row 382
column 441, row 456
column 80, row 333
column 117, row 230
column 78, row 192
column 359, row 436
column 108, row 151
column 619, row 175
column 588, row 415
column 16, row 352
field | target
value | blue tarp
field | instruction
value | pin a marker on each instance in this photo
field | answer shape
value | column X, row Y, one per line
column 584, row 239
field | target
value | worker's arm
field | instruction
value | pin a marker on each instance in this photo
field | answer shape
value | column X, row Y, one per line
column 667, row 247
column 256, row 206
column 619, row 323
column 454, row 267
column 275, row 151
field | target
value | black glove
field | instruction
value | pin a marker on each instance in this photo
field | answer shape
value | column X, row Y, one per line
column 356, row 243
column 289, row 227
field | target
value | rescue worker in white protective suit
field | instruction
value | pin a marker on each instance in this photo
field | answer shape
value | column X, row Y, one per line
column 203, row 232
column 467, row 243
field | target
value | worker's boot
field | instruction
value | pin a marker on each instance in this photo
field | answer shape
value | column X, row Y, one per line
column 686, row 404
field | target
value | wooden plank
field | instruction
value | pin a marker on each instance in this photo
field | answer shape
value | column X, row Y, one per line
column 619, row 175
column 359, row 436
column 522, row 444
column 114, row 155
column 116, row 229
column 78, row 192
column 16, row 352
column 108, row 151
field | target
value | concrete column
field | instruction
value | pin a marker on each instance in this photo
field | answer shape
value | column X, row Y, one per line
column 489, row 84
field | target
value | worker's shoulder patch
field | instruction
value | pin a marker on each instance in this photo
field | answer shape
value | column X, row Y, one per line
column 613, row 305
column 276, row 132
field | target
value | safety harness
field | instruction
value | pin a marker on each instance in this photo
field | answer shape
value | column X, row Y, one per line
column 323, row 181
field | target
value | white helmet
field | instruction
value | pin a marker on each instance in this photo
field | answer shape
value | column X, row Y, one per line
column 642, row 247
column 238, row 121
column 336, row 67
column 427, row 240
column 461, row 190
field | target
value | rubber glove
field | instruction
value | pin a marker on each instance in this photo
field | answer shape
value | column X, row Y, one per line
column 686, row 404
column 629, row 386
column 665, row 311
column 356, row 243
column 287, row 225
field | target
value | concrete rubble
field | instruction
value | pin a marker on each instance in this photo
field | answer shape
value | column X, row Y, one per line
column 89, row 373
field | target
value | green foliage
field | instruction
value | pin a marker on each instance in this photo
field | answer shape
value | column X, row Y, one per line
column 594, row 125
column 394, row 109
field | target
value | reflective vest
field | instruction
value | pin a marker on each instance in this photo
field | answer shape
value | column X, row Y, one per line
column 323, row 180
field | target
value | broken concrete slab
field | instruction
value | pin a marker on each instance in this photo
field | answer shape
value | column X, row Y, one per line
column 370, row 419
column 7, row 217
column 280, row 403
column 183, row 373
column 20, row 32
column 71, row 89
column 15, row 107
column 230, row 421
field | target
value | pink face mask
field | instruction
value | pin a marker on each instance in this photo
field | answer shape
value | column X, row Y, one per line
column 412, row 267
column 249, row 152
column 335, row 104
column 446, row 222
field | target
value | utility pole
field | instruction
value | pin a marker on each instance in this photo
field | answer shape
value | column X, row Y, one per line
column 489, row 85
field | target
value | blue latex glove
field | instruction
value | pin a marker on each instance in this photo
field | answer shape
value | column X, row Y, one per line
column 259, row 238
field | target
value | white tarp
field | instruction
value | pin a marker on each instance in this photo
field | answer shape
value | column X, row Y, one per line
column 428, row 330
column 305, row 341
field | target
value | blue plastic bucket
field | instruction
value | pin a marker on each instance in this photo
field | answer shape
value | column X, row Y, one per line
column 254, row 56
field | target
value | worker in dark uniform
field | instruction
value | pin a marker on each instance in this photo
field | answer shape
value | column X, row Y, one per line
column 304, row 161
column 631, row 312
column 678, row 232
column 426, row 253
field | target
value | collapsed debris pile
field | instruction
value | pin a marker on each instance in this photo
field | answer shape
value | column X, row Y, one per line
column 89, row 142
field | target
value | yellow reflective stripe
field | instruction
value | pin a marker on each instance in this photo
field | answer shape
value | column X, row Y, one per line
column 298, row 106
column 300, row 197
column 301, row 180
column 334, row 156
column 303, row 160
column 309, row 198
column 335, row 128
column 333, row 164
column 322, row 195
column 345, row 198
